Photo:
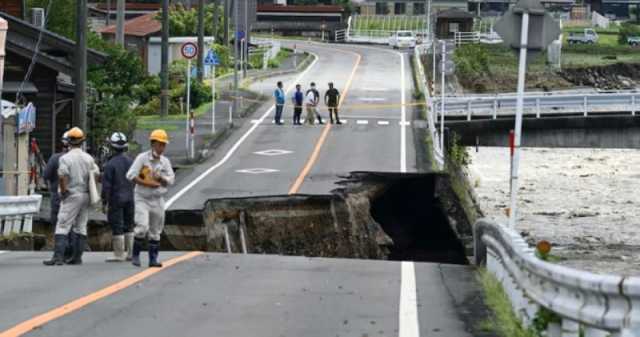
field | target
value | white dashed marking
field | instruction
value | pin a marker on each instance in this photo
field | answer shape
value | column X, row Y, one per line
column 362, row 122
column 257, row 171
column 383, row 122
column 273, row 152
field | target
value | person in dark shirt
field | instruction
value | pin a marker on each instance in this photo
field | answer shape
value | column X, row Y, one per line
column 117, row 198
column 331, row 100
column 298, row 100
column 51, row 176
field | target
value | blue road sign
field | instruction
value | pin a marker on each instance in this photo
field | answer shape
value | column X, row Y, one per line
column 211, row 59
column 240, row 34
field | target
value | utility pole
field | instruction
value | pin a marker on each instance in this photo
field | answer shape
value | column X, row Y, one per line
column 216, row 18
column 225, row 18
column 120, row 23
column 245, row 49
column 164, row 59
column 235, row 55
column 80, row 104
column 200, row 40
column 108, row 18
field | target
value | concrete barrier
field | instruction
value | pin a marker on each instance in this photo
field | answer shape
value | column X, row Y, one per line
column 16, row 213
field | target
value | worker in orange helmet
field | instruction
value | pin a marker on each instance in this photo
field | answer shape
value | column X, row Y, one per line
column 152, row 174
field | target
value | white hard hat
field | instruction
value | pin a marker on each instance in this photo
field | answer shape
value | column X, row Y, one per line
column 118, row 140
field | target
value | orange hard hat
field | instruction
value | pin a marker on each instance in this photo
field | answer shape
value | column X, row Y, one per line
column 159, row 135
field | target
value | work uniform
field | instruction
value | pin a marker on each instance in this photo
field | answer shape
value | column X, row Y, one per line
column 298, row 100
column 51, row 176
column 311, row 102
column 149, row 202
column 332, row 96
column 280, row 100
column 117, row 192
column 76, row 165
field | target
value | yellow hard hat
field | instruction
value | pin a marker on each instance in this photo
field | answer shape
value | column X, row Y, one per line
column 76, row 135
column 159, row 135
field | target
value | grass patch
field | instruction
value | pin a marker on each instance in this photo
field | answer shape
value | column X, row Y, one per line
column 504, row 321
column 156, row 119
column 158, row 125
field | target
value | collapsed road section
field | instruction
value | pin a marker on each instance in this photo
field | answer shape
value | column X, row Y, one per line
column 371, row 216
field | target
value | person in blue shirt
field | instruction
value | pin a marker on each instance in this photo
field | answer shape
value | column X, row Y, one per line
column 117, row 199
column 298, row 100
column 280, row 99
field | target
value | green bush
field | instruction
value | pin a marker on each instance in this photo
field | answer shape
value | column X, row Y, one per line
column 471, row 60
column 628, row 29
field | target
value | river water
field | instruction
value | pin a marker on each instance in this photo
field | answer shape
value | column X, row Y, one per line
column 584, row 201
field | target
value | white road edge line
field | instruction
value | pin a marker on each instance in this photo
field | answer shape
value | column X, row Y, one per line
column 235, row 146
column 403, row 119
column 409, row 326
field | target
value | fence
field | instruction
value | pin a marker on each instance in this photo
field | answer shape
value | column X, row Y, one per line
column 16, row 213
column 546, row 104
column 378, row 28
column 587, row 304
column 466, row 37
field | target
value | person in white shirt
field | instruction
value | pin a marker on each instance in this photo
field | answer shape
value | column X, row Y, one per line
column 311, row 103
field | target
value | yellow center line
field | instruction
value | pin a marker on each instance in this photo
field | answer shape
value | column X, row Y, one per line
column 316, row 151
column 81, row 302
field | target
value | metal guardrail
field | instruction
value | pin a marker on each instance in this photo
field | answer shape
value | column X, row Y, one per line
column 437, row 151
column 598, row 305
column 466, row 37
column 16, row 213
column 546, row 104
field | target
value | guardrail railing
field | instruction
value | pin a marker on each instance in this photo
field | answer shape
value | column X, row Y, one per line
column 436, row 149
column 587, row 304
column 16, row 213
column 545, row 104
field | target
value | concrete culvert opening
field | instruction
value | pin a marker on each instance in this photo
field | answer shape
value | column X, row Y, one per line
column 409, row 211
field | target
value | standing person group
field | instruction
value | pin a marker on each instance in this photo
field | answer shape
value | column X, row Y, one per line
column 132, row 197
column 308, row 100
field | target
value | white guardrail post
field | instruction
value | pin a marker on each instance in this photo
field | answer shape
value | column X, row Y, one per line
column 600, row 305
column 16, row 213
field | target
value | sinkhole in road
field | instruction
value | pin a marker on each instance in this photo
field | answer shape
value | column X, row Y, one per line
column 412, row 214
column 372, row 215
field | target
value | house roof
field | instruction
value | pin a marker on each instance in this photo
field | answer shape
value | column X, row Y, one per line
column 55, row 51
column 141, row 26
column 131, row 6
column 301, row 8
column 453, row 13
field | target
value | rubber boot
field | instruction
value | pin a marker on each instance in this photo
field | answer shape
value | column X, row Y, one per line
column 70, row 251
column 60, row 245
column 118, row 249
column 79, row 245
column 154, row 246
column 128, row 245
column 135, row 256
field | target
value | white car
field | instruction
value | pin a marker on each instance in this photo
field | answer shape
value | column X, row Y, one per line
column 402, row 39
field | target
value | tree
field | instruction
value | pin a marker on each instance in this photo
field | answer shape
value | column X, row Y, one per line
column 184, row 22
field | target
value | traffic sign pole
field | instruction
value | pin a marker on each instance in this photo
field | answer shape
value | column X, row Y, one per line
column 442, row 90
column 213, row 98
column 524, row 35
column 188, row 128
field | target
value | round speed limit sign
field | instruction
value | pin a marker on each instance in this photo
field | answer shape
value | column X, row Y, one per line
column 189, row 50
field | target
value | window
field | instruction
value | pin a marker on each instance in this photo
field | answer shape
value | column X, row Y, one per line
column 454, row 27
column 382, row 8
column 399, row 8
column 418, row 8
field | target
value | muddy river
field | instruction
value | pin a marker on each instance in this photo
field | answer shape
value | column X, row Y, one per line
column 584, row 201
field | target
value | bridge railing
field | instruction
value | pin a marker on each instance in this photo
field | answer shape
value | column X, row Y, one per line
column 542, row 104
column 437, row 151
column 461, row 38
column 587, row 304
column 16, row 213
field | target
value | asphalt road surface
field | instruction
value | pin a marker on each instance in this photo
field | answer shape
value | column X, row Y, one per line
column 203, row 294
column 262, row 158
column 232, row 295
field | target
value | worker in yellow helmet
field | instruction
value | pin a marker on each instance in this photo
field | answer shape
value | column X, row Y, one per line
column 74, row 170
column 152, row 173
